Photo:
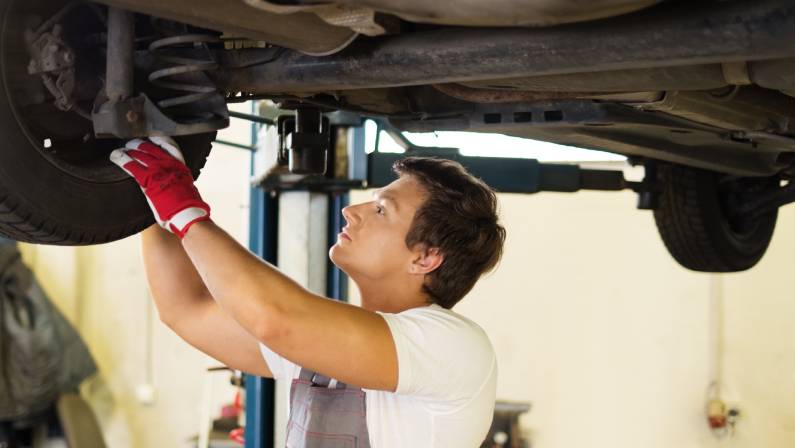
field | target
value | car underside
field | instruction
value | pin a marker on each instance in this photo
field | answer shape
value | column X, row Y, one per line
column 701, row 93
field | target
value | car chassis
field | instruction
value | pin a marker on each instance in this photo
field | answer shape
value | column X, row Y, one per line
column 707, row 86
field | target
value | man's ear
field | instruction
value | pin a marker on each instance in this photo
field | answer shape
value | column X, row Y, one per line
column 426, row 260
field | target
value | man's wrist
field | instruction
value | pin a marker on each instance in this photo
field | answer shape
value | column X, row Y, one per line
column 182, row 221
column 195, row 229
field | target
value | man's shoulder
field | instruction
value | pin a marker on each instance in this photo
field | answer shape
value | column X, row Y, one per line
column 435, row 313
column 443, row 326
column 443, row 356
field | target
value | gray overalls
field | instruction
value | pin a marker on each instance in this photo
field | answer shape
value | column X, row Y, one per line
column 326, row 414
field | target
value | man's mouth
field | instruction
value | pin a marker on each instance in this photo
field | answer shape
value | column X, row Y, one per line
column 344, row 235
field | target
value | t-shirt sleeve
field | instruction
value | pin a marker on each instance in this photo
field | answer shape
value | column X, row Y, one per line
column 441, row 355
column 281, row 368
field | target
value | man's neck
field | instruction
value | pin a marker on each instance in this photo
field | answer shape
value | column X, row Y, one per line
column 390, row 298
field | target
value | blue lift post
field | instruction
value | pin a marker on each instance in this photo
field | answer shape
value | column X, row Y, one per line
column 336, row 280
column 261, row 392
column 263, row 239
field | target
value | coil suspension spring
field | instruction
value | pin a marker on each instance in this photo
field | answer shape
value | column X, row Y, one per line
column 185, row 74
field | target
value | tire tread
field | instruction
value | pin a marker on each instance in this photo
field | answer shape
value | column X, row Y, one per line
column 683, row 222
column 23, row 225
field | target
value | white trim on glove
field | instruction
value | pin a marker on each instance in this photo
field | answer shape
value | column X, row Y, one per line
column 185, row 217
column 166, row 143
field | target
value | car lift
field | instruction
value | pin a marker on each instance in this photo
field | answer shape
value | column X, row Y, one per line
column 295, row 215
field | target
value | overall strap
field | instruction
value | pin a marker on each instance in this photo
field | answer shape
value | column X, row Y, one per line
column 320, row 380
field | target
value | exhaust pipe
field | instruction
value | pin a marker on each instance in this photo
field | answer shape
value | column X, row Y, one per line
column 668, row 35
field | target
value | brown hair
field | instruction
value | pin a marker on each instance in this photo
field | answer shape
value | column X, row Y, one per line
column 459, row 217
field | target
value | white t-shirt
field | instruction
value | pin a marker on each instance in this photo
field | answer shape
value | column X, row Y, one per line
column 447, row 380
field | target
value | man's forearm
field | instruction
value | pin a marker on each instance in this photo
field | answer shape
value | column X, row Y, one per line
column 173, row 280
column 251, row 290
column 339, row 340
column 342, row 341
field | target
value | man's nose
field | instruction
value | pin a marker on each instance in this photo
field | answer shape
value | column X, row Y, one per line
column 349, row 214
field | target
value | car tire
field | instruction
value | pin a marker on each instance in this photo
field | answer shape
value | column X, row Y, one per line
column 696, row 228
column 69, row 193
column 41, row 205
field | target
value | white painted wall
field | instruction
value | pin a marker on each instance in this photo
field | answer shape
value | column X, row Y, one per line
column 595, row 325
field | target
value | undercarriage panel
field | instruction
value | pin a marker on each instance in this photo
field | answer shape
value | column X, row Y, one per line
column 624, row 130
column 472, row 12
column 304, row 32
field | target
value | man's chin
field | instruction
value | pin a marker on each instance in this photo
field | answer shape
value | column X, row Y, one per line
column 336, row 257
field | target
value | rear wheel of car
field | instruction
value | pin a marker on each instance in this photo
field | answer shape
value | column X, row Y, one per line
column 57, row 185
column 697, row 221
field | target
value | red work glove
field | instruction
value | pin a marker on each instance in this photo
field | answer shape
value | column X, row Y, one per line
column 159, row 168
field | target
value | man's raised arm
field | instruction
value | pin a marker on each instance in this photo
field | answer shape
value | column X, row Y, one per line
column 338, row 340
column 185, row 305
column 173, row 281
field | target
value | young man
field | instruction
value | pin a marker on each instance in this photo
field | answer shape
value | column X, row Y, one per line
column 402, row 370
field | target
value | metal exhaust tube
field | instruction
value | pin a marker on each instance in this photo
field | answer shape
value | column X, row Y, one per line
column 671, row 34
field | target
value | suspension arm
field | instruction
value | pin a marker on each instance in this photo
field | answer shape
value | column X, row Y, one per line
column 766, row 202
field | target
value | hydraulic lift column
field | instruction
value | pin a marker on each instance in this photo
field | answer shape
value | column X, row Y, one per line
column 293, row 226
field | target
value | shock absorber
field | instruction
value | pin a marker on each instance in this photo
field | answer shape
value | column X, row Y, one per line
column 121, row 48
column 184, row 74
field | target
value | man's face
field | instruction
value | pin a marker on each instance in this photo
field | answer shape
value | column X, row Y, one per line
column 373, row 243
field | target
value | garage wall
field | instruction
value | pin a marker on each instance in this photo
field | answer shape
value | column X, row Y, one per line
column 608, row 337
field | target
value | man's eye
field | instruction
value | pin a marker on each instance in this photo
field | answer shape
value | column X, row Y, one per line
column 379, row 209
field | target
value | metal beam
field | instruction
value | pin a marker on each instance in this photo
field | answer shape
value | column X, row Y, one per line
column 121, row 45
column 508, row 175
column 672, row 34
column 251, row 117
